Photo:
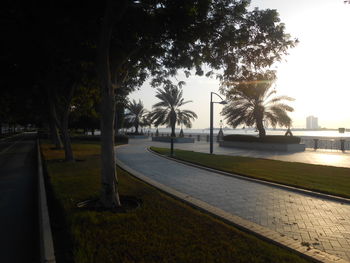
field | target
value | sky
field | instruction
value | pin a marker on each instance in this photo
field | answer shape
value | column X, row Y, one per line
column 316, row 72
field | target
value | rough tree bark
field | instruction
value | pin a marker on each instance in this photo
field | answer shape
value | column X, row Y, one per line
column 68, row 151
column 173, row 122
column 260, row 124
column 109, row 192
column 54, row 134
column 62, row 118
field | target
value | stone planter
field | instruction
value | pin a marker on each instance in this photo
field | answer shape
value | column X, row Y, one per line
column 264, row 146
column 176, row 140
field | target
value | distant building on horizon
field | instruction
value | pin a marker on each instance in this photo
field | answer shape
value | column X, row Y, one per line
column 312, row 123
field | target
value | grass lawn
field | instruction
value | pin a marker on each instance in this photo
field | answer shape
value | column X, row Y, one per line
column 325, row 179
column 161, row 230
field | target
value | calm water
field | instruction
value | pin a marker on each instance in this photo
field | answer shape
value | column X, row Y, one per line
column 326, row 134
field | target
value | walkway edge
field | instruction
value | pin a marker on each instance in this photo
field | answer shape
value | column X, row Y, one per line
column 245, row 225
column 9, row 137
column 47, row 252
column 277, row 185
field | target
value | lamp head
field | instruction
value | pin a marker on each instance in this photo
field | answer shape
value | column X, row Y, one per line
column 224, row 102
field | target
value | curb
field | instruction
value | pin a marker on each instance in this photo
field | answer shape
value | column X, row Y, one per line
column 245, row 225
column 47, row 252
column 12, row 136
column 277, row 185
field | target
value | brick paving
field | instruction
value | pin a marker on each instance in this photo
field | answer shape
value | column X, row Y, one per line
column 312, row 221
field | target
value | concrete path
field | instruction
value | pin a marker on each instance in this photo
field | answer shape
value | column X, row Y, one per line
column 18, row 200
column 323, row 224
column 322, row 157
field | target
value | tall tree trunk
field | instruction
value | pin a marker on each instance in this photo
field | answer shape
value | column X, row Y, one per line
column 109, row 191
column 259, row 118
column 68, row 151
column 173, row 134
column 260, row 127
column 116, row 121
column 63, row 125
column 173, row 123
column 54, row 134
column 65, row 121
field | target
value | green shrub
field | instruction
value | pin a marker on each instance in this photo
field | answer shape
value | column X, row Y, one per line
column 266, row 139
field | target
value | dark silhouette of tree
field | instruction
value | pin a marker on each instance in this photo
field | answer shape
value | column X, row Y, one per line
column 252, row 103
column 85, row 104
column 168, row 112
column 135, row 114
column 133, row 41
column 157, row 38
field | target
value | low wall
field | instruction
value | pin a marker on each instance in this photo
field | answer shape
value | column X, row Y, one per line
column 47, row 251
column 264, row 146
column 176, row 140
column 137, row 136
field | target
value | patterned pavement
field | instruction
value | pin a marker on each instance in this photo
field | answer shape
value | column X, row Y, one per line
column 315, row 222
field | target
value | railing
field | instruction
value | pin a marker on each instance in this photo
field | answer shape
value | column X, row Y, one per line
column 327, row 144
column 198, row 137
column 333, row 144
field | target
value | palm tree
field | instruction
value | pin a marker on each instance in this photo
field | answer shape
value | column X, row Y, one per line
column 147, row 121
column 252, row 103
column 168, row 112
column 135, row 113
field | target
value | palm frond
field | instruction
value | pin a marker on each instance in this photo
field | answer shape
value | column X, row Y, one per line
column 248, row 100
column 170, row 101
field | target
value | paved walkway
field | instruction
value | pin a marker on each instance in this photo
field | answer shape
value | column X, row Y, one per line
column 322, row 223
column 18, row 200
column 322, row 157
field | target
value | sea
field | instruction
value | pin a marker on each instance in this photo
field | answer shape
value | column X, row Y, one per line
column 248, row 131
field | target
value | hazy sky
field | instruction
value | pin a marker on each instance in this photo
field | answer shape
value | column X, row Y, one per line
column 316, row 72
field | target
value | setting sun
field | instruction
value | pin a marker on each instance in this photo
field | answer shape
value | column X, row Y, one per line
column 316, row 72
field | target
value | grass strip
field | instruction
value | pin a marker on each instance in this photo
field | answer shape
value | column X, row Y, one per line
column 161, row 230
column 320, row 178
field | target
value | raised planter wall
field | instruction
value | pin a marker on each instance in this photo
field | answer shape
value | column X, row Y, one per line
column 137, row 136
column 264, row 146
column 176, row 140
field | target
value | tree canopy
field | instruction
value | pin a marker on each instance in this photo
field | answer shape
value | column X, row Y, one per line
column 135, row 114
column 168, row 110
column 253, row 103
column 52, row 45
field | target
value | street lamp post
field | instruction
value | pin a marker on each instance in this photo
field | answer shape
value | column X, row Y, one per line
column 212, row 117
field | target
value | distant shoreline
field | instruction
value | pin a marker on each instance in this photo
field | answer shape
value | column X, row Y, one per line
column 319, row 133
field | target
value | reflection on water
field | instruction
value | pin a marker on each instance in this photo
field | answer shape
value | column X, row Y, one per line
column 330, row 159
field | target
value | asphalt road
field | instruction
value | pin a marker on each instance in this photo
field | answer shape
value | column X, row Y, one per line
column 18, row 200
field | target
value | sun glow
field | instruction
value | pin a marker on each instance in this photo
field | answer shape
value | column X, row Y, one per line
column 316, row 72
